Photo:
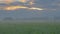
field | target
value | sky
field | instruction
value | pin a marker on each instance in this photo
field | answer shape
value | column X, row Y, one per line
column 52, row 8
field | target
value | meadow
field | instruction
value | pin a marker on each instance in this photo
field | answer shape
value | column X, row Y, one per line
column 29, row 28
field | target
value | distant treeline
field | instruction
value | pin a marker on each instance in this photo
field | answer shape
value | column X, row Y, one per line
column 34, row 18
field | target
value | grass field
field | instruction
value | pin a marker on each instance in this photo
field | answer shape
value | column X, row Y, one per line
column 29, row 28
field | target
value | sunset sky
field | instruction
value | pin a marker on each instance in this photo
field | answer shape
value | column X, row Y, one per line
column 51, row 8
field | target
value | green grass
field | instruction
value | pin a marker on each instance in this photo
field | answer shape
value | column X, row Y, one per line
column 29, row 28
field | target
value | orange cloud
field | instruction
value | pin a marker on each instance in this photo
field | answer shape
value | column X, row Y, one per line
column 23, row 1
column 22, row 7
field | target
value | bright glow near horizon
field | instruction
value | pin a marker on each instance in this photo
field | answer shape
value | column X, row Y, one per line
column 22, row 7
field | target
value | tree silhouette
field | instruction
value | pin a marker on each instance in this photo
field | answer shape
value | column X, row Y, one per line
column 8, row 18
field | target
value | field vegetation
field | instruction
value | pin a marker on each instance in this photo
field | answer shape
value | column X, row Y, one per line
column 29, row 28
